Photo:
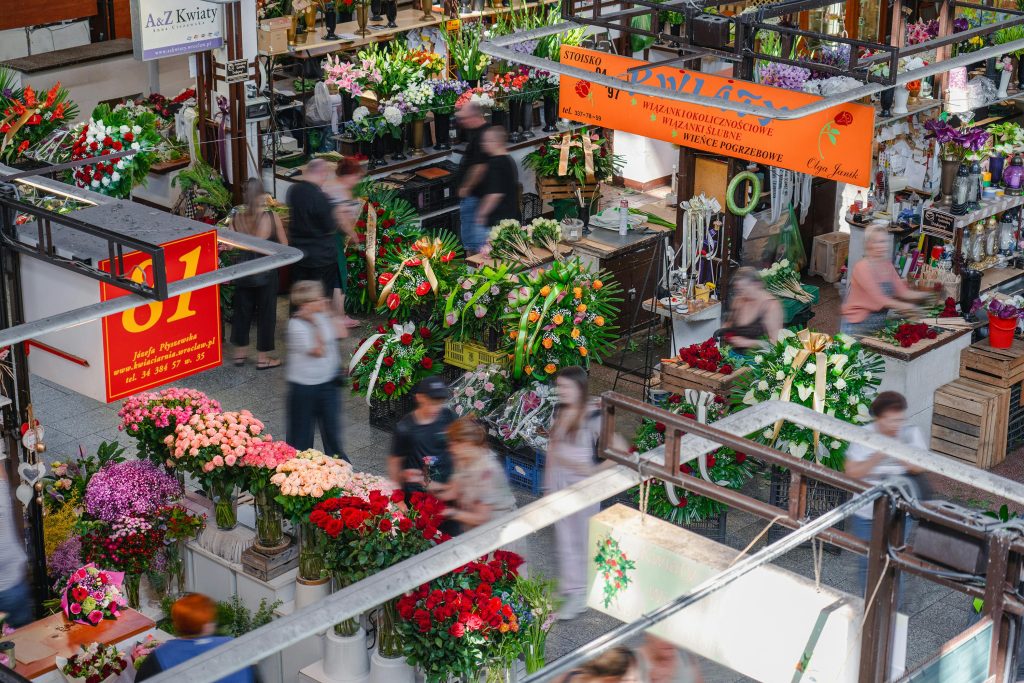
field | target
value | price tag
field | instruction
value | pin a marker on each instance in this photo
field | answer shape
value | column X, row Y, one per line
column 453, row 25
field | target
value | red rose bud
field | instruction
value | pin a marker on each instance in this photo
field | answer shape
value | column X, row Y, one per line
column 425, row 332
column 740, row 458
column 389, row 388
column 711, row 461
column 406, row 339
column 659, row 427
column 389, row 361
column 427, row 363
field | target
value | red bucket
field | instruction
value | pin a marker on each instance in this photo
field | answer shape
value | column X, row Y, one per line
column 1000, row 331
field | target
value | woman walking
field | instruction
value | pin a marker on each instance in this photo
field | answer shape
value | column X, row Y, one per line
column 347, row 175
column 313, row 371
column 256, row 295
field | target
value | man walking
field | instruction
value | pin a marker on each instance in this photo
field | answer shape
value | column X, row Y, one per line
column 499, row 188
column 470, row 173
column 419, row 450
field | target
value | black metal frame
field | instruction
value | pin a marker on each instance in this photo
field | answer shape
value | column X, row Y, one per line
column 747, row 26
column 45, row 248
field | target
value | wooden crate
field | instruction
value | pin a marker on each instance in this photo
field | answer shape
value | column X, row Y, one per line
column 995, row 367
column 678, row 377
column 265, row 567
column 550, row 189
column 969, row 422
column 829, row 254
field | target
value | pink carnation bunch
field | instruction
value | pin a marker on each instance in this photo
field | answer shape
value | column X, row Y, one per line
column 151, row 417
column 212, row 444
column 263, row 457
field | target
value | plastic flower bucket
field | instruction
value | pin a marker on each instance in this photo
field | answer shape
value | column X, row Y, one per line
column 1000, row 331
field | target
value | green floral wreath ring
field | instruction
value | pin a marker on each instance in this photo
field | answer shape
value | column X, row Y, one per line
column 730, row 193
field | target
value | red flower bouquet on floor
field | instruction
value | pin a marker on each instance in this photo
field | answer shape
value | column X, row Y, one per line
column 906, row 335
column 458, row 623
column 705, row 356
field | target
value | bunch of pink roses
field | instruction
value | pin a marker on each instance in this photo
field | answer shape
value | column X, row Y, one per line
column 263, row 457
column 307, row 478
column 212, row 446
column 150, row 418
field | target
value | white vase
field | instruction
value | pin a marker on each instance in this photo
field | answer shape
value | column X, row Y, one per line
column 309, row 592
column 390, row 670
column 345, row 657
column 1004, row 83
column 899, row 103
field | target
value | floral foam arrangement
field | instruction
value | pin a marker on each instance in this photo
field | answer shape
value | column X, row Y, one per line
column 582, row 156
column 476, row 303
column 420, row 274
column 92, row 595
column 27, row 119
column 108, row 132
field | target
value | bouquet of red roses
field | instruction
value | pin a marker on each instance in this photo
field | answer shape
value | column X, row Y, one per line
column 906, row 335
column 705, row 356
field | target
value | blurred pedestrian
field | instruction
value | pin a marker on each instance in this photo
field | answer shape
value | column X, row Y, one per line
column 889, row 410
column 419, row 449
column 256, row 295
column 571, row 458
column 313, row 229
column 347, row 175
column 499, row 187
column 15, row 591
column 617, row 665
column 754, row 314
column 472, row 166
column 194, row 617
column 478, row 490
column 662, row 662
column 313, row 371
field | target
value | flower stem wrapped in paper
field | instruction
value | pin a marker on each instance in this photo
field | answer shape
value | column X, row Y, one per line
column 832, row 375
column 523, row 419
column 477, row 391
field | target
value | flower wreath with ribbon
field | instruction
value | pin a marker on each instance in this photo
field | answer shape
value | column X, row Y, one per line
column 477, row 300
column 27, row 119
column 422, row 273
column 391, row 362
column 381, row 235
column 582, row 156
column 832, row 375
column 561, row 316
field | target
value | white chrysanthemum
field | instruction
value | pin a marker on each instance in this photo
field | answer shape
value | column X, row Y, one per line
column 758, row 359
column 840, row 384
column 780, row 375
column 810, row 368
column 762, row 386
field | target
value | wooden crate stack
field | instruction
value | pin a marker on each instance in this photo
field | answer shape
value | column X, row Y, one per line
column 551, row 189
column 969, row 422
column 1001, row 368
column 678, row 377
column 829, row 254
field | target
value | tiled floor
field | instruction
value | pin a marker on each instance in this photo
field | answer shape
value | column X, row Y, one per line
column 74, row 422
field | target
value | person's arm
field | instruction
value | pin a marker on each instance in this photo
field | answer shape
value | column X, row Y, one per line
column 772, row 320
column 858, row 469
column 474, row 515
column 303, row 336
column 346, row 221
column 279, row 231
column 872, row 297
column 488, row 203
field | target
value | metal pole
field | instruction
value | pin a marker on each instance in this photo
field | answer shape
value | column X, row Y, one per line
column 721, row 580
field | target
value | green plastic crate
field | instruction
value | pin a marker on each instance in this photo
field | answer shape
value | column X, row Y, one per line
column 791, row 307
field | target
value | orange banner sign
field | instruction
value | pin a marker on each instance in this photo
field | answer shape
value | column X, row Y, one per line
column 835, row 143
column 163, row 341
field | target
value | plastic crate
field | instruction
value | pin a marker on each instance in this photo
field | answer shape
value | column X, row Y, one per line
column 524, row 468
column 385, row 415
column 820, row 499
column 449, row 220
column 468, row 355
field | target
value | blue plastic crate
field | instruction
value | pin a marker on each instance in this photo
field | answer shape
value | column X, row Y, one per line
column 525, row 469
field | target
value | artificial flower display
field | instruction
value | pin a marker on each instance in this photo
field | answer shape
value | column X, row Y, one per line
column 92, row 595
column 561, row 316
column 418, row 276
column 460, row 622
column 96, row 663
column 151, row 417
column 27, row 117
column 108, row 132
column 392, row 361
column 794, row 369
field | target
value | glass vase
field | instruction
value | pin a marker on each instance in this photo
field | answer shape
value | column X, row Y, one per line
column 131, row 589
column 225, row 505
column 498, row 671
column 176, row 568
column 533, row 655
column 311, row 556
column 349, row 627
column 269, row 521
column 389, row 641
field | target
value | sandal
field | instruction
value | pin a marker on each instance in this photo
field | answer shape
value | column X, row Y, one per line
column 239, row 362
column 270, row 364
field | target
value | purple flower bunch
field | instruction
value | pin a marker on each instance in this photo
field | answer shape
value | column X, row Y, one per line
column 959, row 24
column 957, row 142
column 136, row 488
column 527, row 47
column 782, row 75
column 446, row 93
column 837, row 55
column 922, row 31
column 1000, row 309
column 65, row 559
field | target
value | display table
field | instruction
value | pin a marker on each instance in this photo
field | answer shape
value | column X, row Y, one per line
column 918, row 371
column 37, row 645
column 693, row 327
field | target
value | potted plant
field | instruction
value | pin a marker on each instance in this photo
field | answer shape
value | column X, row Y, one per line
column 1004, row 314
column 446, row 94
column 1007, row 138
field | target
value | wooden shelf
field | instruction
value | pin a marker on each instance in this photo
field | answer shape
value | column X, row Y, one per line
column 993, row 277
column 989, row 207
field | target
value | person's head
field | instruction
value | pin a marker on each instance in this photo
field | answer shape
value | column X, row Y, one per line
column 317, row 172
column 255, row 195
column 571, row 386
column 876, row 244
column 431, row 394
column 618, row 665
column 194, row 615
column 466, row 439
column 349, row 172
column 747, row 282
column 308, row 297
column 470, row 115
column 890, row 412
column 493, row 141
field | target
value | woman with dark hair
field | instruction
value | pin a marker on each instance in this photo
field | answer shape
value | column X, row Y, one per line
column 572, row 443
column 617, row 665
column 256, row 295
column 341, row 189
column 478, row 489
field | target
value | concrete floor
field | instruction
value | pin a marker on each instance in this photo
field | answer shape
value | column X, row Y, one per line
column 73, row 422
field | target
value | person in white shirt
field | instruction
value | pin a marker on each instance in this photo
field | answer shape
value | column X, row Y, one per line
column 889, row 410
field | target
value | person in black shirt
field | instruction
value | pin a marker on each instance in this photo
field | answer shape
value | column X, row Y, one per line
column 499, row 189
column 419, row 451
column 469, row 176
column 313, row 229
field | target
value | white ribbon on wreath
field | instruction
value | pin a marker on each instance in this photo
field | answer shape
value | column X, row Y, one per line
column 701, row 401
column 364, row 348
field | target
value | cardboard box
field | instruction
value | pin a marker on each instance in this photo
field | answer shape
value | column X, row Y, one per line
column 272, row 38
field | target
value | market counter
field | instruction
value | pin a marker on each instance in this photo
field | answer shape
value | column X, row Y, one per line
column 917, row 372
